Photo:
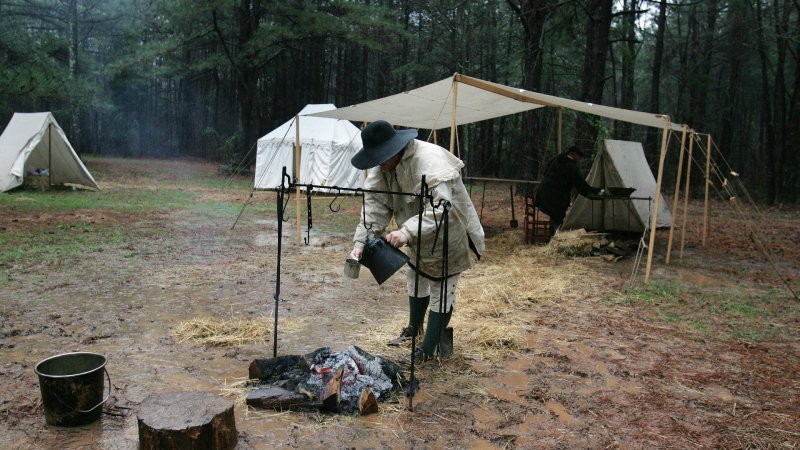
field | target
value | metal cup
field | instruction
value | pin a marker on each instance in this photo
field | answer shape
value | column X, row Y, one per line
column 351, row 268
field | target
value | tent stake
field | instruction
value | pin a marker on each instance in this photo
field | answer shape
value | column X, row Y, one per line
column 686, row 194
column 676, row 193
column 654, row 219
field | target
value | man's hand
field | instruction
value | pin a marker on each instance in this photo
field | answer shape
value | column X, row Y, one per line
column 356, row 254
column 396, row 238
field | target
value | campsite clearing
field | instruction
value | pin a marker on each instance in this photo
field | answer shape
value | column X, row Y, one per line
column 550, row 351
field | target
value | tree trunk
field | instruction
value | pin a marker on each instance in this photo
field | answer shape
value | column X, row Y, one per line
column 75, row 135
column 652, row 146
column 730, row 127
column 627, row 92
column 766, row 135
column 533, row 15
column 598, row 26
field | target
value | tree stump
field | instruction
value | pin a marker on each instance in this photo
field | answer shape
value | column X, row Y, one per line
column 187, row 420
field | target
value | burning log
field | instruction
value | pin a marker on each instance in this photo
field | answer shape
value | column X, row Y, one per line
column 178, row 420
column 367, row 403
column 332, row 392
column 275, row 397
column 323, row 378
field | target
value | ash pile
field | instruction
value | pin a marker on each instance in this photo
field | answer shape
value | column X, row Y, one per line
column 348, row 381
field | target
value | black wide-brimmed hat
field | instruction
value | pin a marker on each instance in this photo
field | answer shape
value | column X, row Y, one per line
column 381, row 142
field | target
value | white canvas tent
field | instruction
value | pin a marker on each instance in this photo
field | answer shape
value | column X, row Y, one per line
column 326, row 148
column 36, row 141
column 619, row 164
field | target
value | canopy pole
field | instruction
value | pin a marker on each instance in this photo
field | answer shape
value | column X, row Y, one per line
column 677, row 193
column 654, row 218
column 49, row 153
column 708, row 180
column 560, row 126
column 453, row 129
column 297, row 151
column 686, row 194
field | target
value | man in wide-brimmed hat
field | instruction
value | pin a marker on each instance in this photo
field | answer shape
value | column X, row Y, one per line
column 396, row 162
column 561, row 175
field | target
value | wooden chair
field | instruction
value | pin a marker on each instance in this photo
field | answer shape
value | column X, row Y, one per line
column 537, row 223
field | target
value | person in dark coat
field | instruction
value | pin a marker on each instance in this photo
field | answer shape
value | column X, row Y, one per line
column 561, row 176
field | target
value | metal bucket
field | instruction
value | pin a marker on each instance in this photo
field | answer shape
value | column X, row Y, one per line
column 382, row 259
column 72, row 388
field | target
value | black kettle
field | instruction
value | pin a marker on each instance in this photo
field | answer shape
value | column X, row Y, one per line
column 381, row 258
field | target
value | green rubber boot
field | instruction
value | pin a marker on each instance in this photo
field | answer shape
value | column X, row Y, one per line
column 416, row 317
column 436, row 326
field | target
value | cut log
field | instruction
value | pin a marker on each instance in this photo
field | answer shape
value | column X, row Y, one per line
column 275, row 397
column 367, row 403
column 180, row 420
column 331, row 392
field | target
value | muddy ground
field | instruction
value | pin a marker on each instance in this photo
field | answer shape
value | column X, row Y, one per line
column 707, row 357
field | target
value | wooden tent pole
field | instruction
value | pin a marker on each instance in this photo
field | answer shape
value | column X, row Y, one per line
column 560, row 126
column 708, row 181
column 453, row 129
column 297, row 152
column 49, row 153
column 677, row 194
column 654, row 216
column 686, row 194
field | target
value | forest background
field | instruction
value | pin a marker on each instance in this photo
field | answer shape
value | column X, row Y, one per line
column 205, row 78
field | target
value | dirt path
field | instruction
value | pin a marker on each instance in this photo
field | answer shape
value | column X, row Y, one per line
column 587, row 367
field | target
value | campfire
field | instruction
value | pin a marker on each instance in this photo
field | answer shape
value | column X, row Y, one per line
column 348, row 381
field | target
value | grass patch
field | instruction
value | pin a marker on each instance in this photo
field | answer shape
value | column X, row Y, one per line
column 754, row 313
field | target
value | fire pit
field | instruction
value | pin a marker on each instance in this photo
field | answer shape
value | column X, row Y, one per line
column 325, row 379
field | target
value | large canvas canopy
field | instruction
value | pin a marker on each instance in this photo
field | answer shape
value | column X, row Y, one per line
column 432, row 106
column 36, row 141
column 326, row 148
column 619, row 164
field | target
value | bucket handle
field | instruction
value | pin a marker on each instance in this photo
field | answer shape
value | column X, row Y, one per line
column 108, row 377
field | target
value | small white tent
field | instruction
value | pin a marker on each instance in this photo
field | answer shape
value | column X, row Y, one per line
column 620, row 164
column 36, row 141
column 326, row 148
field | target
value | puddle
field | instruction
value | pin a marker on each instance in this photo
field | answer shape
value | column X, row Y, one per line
column 559, row 410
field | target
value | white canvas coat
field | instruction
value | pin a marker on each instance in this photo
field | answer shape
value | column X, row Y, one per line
column 442, row 175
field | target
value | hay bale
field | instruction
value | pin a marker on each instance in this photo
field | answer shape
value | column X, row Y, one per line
column 38, row 182
column 573, row 243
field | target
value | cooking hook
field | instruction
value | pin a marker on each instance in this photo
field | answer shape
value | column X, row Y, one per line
column 339, row 205
column 307, row 239
column 364, row 210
